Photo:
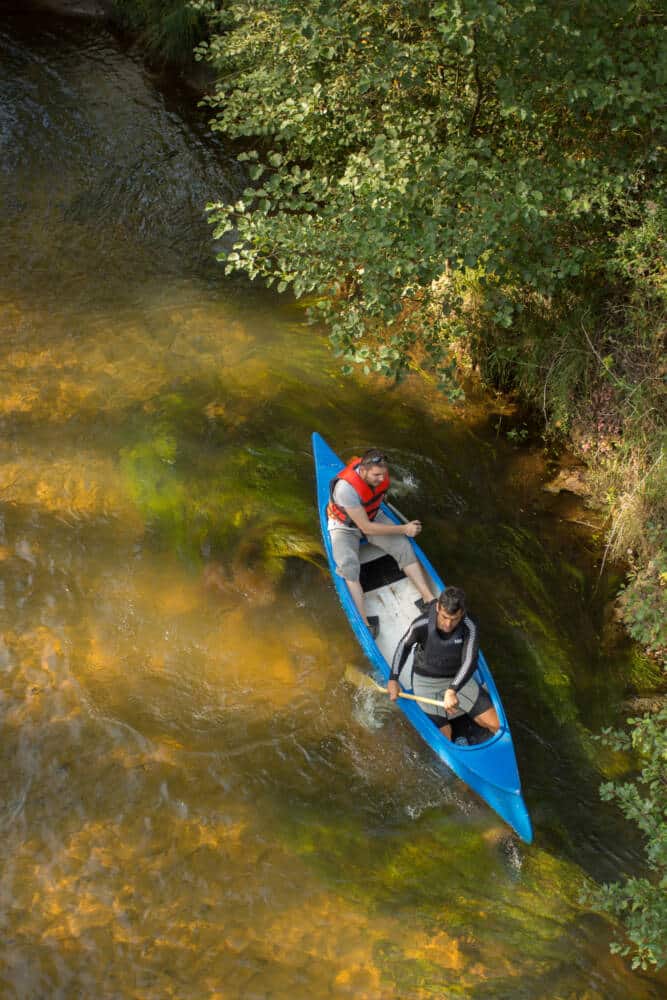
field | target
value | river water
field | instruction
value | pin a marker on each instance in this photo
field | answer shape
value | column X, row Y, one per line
column 195, row 803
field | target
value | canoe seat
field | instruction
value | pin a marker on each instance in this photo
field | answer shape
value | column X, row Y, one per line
column 379, row 572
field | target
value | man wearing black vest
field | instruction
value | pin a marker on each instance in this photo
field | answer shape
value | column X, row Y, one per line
column 445, row 660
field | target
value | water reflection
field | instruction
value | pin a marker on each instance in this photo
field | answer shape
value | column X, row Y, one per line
column 195, row 803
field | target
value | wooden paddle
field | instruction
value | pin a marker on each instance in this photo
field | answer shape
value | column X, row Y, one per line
column 357, row 677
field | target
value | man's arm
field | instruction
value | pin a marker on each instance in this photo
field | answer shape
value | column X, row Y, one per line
column 369, row 528
column 417, row 633
column 468, row 656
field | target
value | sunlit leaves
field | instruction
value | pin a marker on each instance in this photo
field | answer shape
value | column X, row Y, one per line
column 396, row 142
column 641, row 903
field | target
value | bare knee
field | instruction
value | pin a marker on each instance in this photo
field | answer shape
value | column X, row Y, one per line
column 489, row 720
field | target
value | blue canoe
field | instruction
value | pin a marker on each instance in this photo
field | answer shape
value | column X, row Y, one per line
column 488, row 767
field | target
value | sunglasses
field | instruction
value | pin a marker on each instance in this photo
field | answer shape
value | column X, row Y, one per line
column 374, row 458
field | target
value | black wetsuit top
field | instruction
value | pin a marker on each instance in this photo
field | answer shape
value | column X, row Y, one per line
column 439, row 654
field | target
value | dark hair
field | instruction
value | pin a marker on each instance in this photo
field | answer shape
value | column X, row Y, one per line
column 451, row 600
column 373, row 457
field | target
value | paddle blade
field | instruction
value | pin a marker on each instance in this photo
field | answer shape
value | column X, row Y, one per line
column 359, row 679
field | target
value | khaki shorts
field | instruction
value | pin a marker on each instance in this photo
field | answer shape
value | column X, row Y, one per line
column 345, row 544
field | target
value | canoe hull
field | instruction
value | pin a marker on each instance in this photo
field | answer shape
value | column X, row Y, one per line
column 489, row 768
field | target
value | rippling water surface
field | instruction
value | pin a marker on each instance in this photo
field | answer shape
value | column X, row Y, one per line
column 194, row 801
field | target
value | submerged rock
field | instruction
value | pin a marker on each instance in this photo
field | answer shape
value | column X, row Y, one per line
column 571, row 480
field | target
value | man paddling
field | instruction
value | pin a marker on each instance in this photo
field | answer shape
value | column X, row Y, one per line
column 447, row 644
column 355, row 496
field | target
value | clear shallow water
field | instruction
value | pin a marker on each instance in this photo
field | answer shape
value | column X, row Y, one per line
column 194, row 802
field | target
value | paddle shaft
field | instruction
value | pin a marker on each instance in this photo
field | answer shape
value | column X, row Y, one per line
column 415, row 697
column 411, row 697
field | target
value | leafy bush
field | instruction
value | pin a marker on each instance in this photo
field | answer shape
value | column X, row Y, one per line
column 644, row 600
column 641, row 903
column 395, row 146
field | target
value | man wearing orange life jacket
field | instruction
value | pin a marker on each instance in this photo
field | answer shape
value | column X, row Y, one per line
column 356, row 494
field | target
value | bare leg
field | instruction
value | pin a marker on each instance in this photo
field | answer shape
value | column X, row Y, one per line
column 357, row 595
column 415, row 573
column 488, row 720
column 446, row 730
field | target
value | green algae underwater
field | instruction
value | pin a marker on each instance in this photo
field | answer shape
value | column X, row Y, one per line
column 195, row 802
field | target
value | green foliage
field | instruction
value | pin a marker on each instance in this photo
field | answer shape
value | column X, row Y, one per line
column 641, row 903
column 518, row 435
column 392, row 146
column 593, row 362
column 644, row 600
column 641, row 254
column 595, row 367
column 169, row 29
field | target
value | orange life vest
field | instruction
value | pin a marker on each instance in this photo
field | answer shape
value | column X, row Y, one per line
column 368, row 497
